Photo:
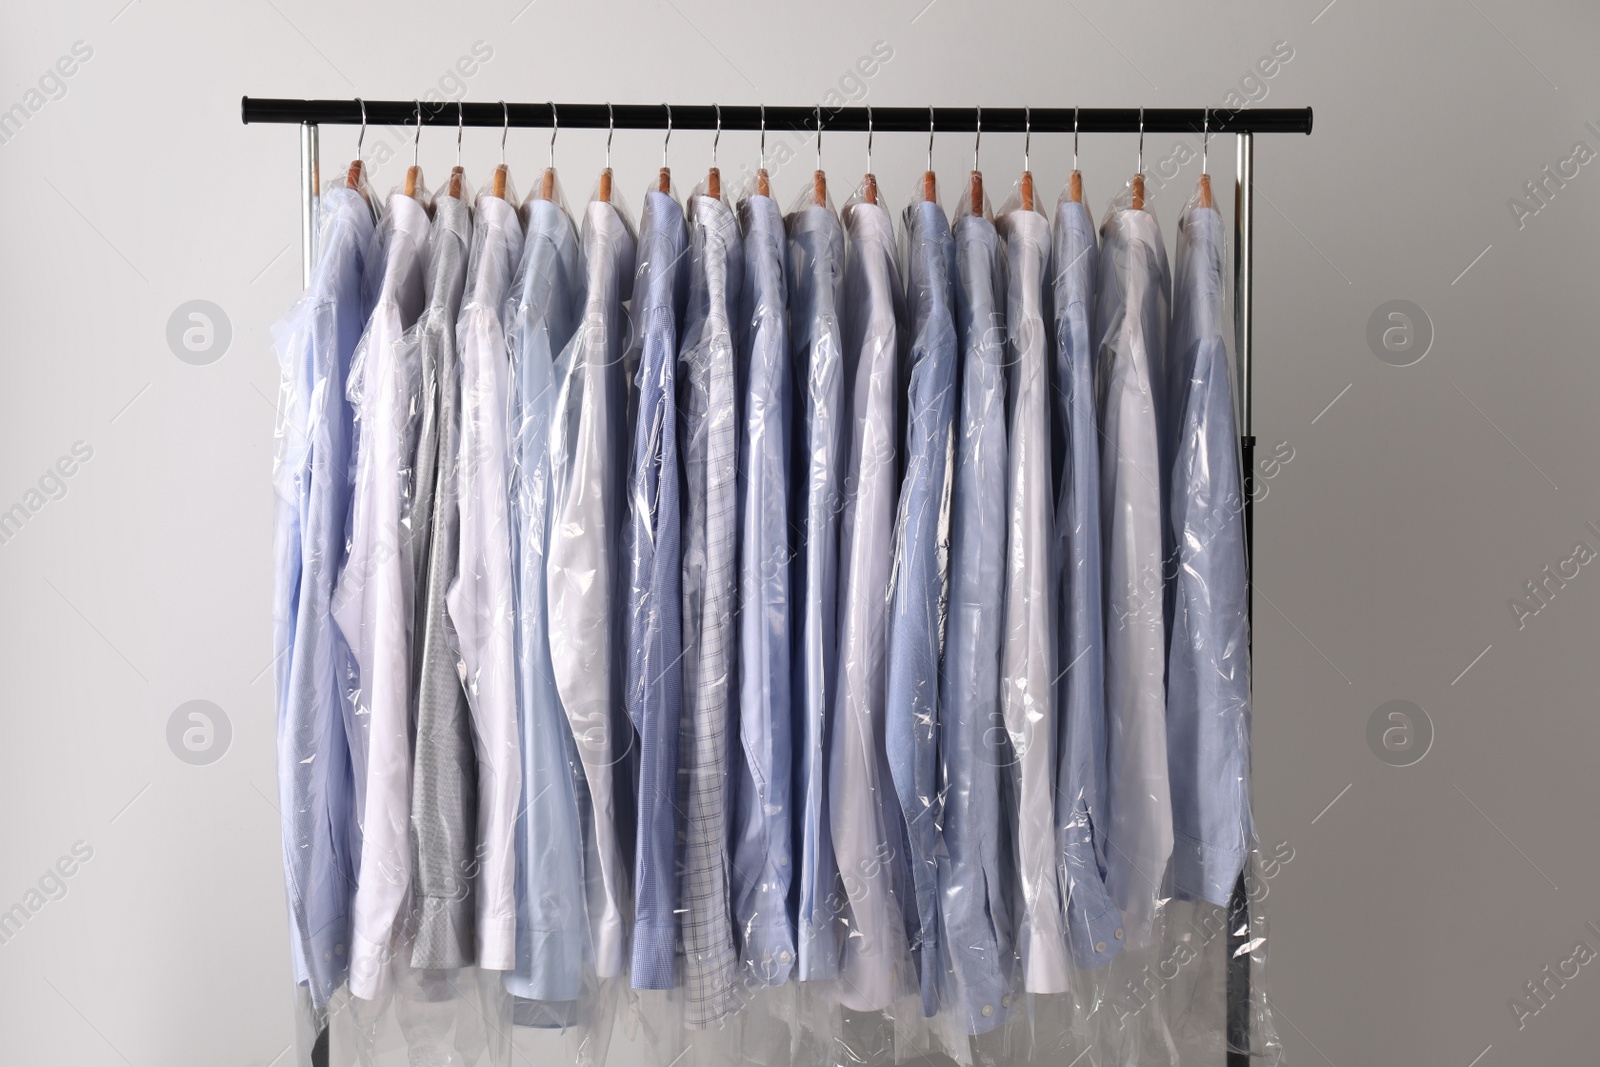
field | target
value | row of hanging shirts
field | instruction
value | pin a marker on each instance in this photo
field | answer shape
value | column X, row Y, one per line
column 1009, row 640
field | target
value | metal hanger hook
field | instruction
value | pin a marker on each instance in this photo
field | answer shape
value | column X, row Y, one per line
column 1140, row 168
column 762, row 160
column 505, row 130
column 977, row 138
column 1074, row 138
column 869, row 138
column 461, row 125
column 930, row 137
column 668, row 138
column 1205, row 138
column 611, row 130
column 416, row 144
column 362, row 136
column 819, row 136
column 1027, row 134
column 555, row 128
column 717, row 137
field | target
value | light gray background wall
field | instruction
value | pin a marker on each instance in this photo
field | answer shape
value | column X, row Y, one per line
column 1415, row 906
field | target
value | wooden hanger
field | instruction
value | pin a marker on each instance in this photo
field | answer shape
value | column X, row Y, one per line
column 975, row 183
column 1075, row 182
column 763, row 183
column 604, row 195
column 1026, row 185
column 457, row 175
column 664, row 180
column 819, row 180
column 414, row 172
column 869, row 183
column 355, row 177
column 714, row 176
column 498, row 188
column 547, row 183
column 1136, row 187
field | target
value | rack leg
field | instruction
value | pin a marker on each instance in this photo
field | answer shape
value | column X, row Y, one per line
column 308, row 200
column 1243, row 296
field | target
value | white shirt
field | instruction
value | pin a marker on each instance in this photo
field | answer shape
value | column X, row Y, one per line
column 1027, row 656
column 482, row 600
column 1130, row 327
column 587, row 460
column 875, row 966
column 375, row 599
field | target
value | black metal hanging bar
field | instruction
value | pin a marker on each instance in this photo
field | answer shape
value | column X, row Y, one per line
column 737, row 117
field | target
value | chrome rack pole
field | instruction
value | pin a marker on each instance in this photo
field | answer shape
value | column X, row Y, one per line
column 1243, row 305
column 308, row 200
column 1244, row 269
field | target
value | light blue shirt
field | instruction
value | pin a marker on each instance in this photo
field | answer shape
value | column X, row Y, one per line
column 911, row 710
column 1094, row 925
column 762, row 869
column 975, row 889
column 650, row 552
column 316, row 787
column 1208, row 666
column 816, row 290
column 552, row 945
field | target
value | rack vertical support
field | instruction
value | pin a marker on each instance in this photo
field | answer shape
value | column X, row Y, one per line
column 1243, row 304
column 308, row 201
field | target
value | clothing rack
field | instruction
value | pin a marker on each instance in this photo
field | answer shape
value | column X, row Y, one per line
column 1243, row 123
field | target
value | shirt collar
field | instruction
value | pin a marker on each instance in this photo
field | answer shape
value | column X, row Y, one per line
column 870, row 222
column 453, row 216
column 408, row 219
column 814, row 219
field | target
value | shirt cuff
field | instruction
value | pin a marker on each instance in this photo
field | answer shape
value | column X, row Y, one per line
column 655, row 952
column 1205, row 872
column 497, row 943
column 768, row 951
column 445, row 932
column 1094, row 925
column 976, row 992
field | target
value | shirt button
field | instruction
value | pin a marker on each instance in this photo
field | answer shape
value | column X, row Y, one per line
column 988, row 1010
column 1119, row 933
column 784, row 956
column 1005, row 1001
column 783, row 861
column 1099, row 946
